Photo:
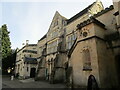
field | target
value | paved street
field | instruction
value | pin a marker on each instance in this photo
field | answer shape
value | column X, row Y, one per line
column 29, row 83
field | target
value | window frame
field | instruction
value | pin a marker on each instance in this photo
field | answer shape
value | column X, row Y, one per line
column 86, row 60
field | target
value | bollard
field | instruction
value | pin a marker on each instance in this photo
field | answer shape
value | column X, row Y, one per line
column 12, row 77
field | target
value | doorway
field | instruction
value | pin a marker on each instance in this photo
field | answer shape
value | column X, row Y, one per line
column 117, row 58
column 32, row 72
column 92, row 83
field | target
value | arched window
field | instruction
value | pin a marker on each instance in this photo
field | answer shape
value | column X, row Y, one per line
column 86, row 60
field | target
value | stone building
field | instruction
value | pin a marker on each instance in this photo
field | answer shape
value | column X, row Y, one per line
column 26, row 62
column 96, row 51
column 71, row 29
column 85, row 14
column 41, row 51
column 59, row 39
column 74, row 49
column 55, row 49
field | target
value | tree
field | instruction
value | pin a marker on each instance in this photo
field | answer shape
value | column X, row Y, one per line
column 6, row 44
column 5, row 48
column 0, row 51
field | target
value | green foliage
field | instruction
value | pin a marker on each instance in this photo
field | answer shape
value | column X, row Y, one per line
column 6, row 44
column 9, row 62
column 8, row 55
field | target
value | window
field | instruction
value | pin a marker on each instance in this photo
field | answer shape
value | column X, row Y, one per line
column 34, row 48
column 70, row 40
column 69, row 43
column 85, row 34
column 30, row 55
column 55, row 23
column 52, row 47
column 27, row 69
column 54, row 33
column 86, row 60
column 63, row 23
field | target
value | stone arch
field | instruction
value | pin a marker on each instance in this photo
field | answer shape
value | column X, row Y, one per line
column 92, row 83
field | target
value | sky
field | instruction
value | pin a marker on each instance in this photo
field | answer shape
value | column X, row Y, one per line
column 30, row 19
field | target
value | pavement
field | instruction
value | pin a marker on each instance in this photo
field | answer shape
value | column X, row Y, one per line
column 28, row 83
column 27, row 80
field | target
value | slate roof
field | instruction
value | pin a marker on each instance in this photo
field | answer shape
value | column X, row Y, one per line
column 79, row 14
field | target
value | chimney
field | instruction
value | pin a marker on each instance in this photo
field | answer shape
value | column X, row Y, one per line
column 27, row 42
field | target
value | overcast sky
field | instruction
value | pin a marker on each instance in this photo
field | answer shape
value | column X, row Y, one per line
column 30, row 19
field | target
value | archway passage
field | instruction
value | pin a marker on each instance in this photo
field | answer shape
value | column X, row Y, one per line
column 32, row 72
column 117, row 58
column 92, row 83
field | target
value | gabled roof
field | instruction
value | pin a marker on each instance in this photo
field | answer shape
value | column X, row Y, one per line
column 21, row 49
column 26, row 46
column 79, row 14
column 104, row 11
column 56, row 14
column 42, row 37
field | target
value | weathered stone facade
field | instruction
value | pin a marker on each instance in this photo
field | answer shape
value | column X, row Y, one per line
column 55, row 49
column 90, row 56
column 41, row 51
column 26, row 61
column 86, row 44
column 98, row 42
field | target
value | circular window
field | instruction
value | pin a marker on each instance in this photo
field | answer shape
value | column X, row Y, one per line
column 85, row 34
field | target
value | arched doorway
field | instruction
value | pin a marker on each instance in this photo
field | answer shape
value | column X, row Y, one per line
column 32, row 72
column 92, row 83
column 117, row 59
